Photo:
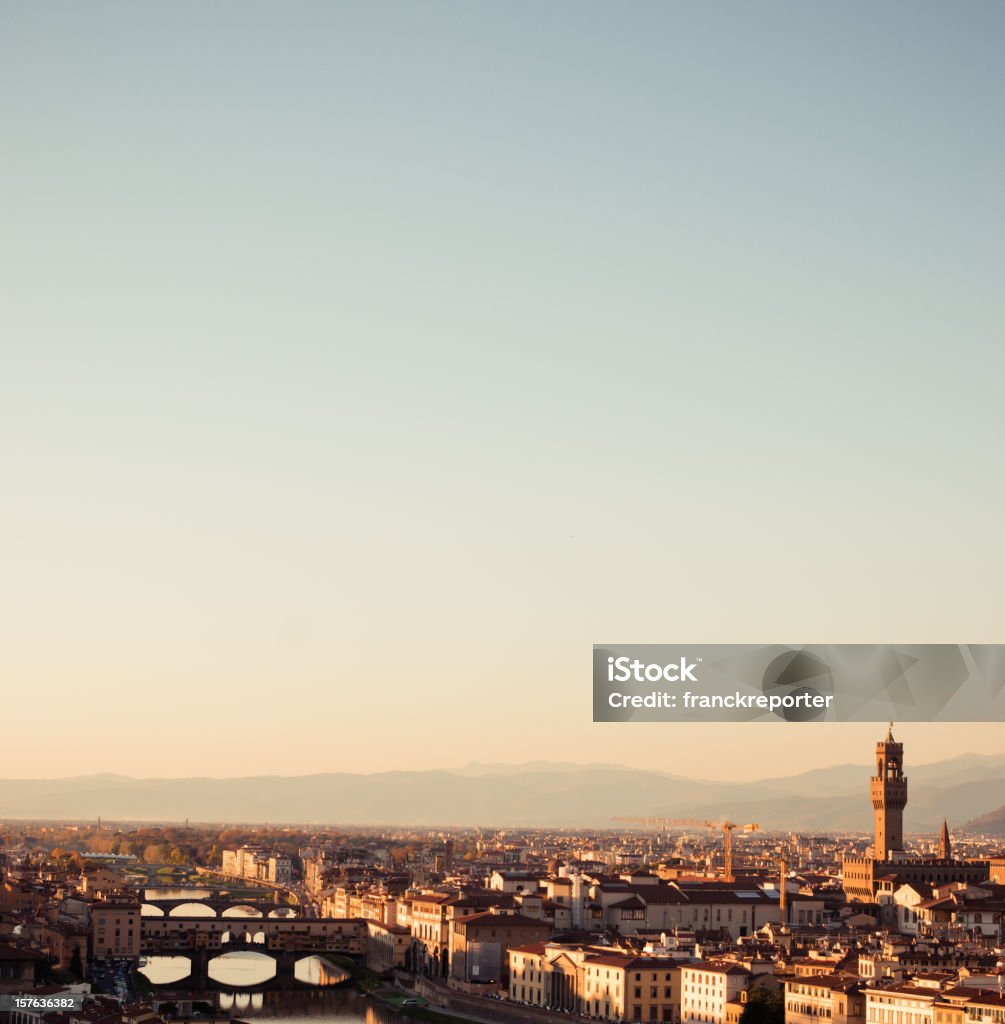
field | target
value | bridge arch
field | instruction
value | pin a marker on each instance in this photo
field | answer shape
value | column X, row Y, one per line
column 242, row 910
column 151, row 910
column 192, row 910
column 243, row 938
column 255, row 968
column 170, row 969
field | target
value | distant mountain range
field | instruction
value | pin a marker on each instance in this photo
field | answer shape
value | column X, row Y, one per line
column 962, row 789
column 991, row 824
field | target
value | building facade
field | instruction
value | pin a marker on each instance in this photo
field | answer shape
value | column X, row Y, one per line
column 706, row 988
column 115, row 927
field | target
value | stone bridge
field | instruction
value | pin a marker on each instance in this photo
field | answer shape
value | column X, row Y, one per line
column 180, row 936
column 222, row 906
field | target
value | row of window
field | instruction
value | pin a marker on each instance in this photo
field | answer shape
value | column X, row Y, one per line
column 809, row 1009
column 877, row 1015
column 986, row 1013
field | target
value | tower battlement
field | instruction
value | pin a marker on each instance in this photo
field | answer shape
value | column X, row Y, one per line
column 888, row 790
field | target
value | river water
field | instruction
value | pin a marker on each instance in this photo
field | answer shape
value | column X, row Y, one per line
column 176, row 892
column 315, row 992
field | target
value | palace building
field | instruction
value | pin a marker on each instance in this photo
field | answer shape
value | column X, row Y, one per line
column 888, row 866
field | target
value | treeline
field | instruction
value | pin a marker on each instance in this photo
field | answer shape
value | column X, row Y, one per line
column 203, row 846
column 183, row 846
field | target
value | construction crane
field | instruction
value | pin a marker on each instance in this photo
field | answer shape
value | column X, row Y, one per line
column 726, row 827
column 783, row 899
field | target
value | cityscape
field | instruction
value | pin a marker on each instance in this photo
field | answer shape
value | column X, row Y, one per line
column 651, row 919
column 369, row 368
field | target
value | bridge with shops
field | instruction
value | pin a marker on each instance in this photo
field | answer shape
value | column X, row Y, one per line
column 280, row 938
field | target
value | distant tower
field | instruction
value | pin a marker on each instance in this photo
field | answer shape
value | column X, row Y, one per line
column 889, row 796
column 783, row 901
column 945, row 847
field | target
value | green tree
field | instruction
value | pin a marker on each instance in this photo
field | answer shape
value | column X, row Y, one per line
column 76, row 964
column 764, row 1007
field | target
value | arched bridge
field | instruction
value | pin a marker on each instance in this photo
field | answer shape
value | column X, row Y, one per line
column 217, row 906
column 184, row 935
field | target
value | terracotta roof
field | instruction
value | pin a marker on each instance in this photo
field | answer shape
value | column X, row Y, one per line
column 632, row 903
column 716, row 967
column 632, row 961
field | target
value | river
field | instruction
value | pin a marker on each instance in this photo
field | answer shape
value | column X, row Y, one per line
column 316, row 991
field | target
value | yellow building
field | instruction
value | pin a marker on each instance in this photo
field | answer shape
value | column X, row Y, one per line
column 99, row 880
column 908, row 1003
column 707, row 988
column 115, row 927
column 604, row 984
column 632, row 988
column 838, row 998
column 386, row 946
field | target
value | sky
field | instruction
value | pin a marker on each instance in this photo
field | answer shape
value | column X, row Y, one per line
column 363, row 364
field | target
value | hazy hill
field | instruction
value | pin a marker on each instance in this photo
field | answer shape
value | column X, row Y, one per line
column 538, row 793
column 992, row 823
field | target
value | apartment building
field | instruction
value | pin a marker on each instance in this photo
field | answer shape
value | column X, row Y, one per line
column 632, row 988
column 601, row 983
column 479, row 945
column 911, row 1002
column 431, row 915
column 707, row 987
column 258, row 864
column 836, row 998
column 387, row 946
column 115, row 927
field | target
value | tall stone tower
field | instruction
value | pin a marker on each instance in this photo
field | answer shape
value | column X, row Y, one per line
column 889, row 796
column 945, row 846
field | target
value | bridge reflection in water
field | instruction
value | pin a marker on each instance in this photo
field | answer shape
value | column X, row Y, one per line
column 243, row 969
column 313, row 990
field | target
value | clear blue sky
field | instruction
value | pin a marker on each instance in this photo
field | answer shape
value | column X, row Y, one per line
column 364, row 363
